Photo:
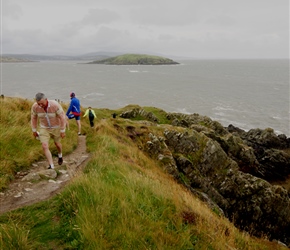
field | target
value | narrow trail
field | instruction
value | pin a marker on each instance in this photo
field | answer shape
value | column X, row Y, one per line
column 39, row 183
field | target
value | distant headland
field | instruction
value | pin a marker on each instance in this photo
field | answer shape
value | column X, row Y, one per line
column 7, row 59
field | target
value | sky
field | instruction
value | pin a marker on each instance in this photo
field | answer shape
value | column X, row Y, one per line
column 183, row 28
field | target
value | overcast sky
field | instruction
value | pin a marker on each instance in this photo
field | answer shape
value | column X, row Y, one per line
column 189, row 28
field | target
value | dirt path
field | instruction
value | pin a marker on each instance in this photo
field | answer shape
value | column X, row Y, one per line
column 40, row 183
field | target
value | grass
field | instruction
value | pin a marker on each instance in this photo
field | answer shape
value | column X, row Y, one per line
column 122, row 200
column 19, row 149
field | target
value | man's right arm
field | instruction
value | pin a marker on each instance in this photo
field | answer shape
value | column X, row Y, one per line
column 34, row 118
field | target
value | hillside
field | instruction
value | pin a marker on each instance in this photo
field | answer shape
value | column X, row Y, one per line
column 135, row 59
column 154, row 180
column 32, row 57
column 110, row 58
column 10, row 59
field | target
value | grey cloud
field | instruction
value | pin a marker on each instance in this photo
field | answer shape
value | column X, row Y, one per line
column 10, row 10
column 23, row 41
column 40, row 42
column 88, row 2
column 100, row 16
column 219, row 45
column 103, row 38
column 166, row 37
column 221, row 21
column 109, row 35
column 68, row 30
column 166, row 15
column 198, row 28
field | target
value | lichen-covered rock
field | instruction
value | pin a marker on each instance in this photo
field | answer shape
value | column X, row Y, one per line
column 251, row 203
column 158, row 150
column 228, row 168
column 265, row 138
column 270, row 152
column 133, row 113
column 195, row 121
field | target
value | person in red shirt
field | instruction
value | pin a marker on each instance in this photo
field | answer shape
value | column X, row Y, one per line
column 52, row 122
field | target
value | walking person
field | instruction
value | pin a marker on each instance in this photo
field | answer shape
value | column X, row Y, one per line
column 74, row 111
column 92, row 115
column 51, row 118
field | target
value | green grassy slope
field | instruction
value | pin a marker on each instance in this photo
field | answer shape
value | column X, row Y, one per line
column 121, row 200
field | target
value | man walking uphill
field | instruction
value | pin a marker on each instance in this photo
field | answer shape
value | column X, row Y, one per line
column 52, row 123
column 75, row 110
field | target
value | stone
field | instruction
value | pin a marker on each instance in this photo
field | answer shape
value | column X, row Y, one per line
column 31, row 177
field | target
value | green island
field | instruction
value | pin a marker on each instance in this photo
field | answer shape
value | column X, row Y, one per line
column 136, row 59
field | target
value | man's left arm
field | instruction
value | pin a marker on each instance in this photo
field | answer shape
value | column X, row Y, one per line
column 61, row 115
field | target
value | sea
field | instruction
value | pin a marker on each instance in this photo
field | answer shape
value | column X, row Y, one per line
column 245, row 93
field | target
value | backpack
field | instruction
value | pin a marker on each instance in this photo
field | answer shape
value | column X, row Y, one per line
column 91, row 114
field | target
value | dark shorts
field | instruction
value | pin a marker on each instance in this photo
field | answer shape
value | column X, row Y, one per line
column 72, row 116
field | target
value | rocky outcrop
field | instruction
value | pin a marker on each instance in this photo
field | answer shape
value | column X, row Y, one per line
column 229, row 169
column 259, row 152
column 133, row 113
column 271, row 151
column 252, row 203
column 264, row 138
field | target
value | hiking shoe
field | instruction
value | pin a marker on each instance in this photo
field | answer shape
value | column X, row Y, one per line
column 60, row 160
column 50, row 167
column 79, row 133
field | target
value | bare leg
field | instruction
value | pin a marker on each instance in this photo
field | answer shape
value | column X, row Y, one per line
column 79, row 125
column 47, row 152
column 59, row 147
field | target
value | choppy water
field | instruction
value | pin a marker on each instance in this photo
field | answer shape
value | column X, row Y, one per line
column 245, row 93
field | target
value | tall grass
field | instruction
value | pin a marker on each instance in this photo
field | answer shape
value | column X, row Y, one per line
column 19, row 149
column 13, row 237
column 122, row 200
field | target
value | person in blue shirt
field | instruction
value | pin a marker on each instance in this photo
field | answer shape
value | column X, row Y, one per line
column 74, row 111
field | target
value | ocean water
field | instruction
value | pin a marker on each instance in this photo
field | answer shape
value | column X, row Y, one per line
column 246, row 93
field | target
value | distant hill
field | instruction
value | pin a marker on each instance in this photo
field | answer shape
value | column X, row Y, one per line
column 94, row 57
column 135, row 59
column 8, row 59
column 83, row 57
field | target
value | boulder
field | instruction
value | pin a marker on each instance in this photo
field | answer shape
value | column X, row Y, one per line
column 48, row 174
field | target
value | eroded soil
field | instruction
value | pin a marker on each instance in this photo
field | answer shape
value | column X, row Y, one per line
column 39, row 183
